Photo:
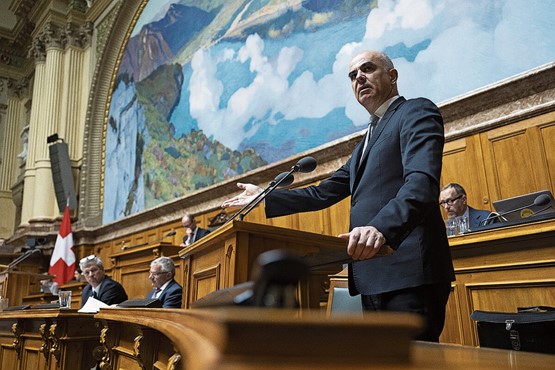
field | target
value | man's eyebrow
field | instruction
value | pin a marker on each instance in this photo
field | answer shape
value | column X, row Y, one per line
column 363, row 65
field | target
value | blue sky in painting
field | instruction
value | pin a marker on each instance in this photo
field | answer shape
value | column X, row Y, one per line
column 441, row 48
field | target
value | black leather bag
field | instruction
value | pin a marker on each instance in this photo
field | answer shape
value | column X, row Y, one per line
column 530, row 330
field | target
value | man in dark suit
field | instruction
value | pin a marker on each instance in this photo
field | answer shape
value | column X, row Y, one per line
column 100, row 286
column 453, row 199
column 194, row 232
column 166, row 289
column 393, row 180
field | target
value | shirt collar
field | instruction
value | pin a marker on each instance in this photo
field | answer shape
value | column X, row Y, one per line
column 383, row 108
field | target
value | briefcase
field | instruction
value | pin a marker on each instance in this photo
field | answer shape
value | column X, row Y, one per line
column 521, row 331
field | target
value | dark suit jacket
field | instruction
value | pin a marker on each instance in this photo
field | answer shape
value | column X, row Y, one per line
column 171, row 296
column 111, row 292
column 200, row 233
column 476, row 216
column 395, row 189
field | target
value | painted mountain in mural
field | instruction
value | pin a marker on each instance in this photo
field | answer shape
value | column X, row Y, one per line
column 159, row 42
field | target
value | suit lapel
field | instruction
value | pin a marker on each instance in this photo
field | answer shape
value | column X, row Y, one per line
column 375, row 135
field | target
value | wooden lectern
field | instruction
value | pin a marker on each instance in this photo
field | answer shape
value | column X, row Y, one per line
column 16, row 284
column 226, row 256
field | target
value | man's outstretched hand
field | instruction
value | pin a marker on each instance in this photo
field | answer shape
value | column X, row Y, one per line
column 250, row 192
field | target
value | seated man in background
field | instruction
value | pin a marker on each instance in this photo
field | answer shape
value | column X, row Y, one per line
column 99, row 285
column 194, row 232
column 166, row 289
column 453, row 198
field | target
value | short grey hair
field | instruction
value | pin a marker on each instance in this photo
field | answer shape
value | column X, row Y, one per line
column 166, row 263
column 91, row 260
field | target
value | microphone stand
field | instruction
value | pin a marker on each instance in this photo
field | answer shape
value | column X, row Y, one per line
column 22, row 258
column 306, row 164
column 259, row 199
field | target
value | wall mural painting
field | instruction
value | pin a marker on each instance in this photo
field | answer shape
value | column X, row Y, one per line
column 209, row 90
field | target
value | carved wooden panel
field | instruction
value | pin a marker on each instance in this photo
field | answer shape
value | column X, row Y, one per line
column 515, row 159
column 205, row 281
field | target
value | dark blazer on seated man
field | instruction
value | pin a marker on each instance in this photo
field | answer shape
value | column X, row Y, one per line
column 170, row 296
column 166, row 289
column 194, row 232
column 100, row 286
column 110, row 292
column 476, row 217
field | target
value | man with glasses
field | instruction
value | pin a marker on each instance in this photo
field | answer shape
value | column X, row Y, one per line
column 453, row 199
column 166, row 289
column 99, row 285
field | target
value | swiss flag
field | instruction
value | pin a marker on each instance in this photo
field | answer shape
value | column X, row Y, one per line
column 62, row 263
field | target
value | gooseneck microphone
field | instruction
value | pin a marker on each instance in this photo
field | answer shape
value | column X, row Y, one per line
column 540, row 200
column 126, row 247
column 305, row 165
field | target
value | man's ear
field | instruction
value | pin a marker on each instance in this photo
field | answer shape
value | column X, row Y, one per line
column 393, row 74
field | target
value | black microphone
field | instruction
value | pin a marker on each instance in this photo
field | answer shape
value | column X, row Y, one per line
column 306, row 164
column 171, row 233
column 283, row 179
column 540, row 200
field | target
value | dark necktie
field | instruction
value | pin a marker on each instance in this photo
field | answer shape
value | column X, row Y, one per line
column 156, row 292
column 94, row 295
column 371, row 126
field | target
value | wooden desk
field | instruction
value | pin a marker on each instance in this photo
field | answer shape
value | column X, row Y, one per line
column 48, row 339
column 232, row 339
column 499, row 270
column 258, row 338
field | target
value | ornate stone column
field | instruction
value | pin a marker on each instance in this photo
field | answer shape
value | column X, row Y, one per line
column 8, row 136
column 59, row 106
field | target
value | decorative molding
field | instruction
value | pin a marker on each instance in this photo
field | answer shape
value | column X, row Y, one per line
column 45, row 342
column 17, row 332
column 102, row 352
column 173, row 361
column 54, row 342
column 137, row 349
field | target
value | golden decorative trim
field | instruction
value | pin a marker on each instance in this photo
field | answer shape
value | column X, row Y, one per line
column 54, row 342
column 16, row 345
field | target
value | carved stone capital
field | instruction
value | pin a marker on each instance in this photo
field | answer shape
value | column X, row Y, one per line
column 53, row 36
column 78, row 36
column 18, row 88
column 37, row 51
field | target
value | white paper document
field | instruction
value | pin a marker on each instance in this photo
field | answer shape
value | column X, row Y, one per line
column 92, row 305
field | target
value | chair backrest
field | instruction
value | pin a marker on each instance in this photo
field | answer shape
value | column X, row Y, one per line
column 341, row 302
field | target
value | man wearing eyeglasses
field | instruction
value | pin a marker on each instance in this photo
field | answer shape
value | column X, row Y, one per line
column 100, row 286
column 166, row 289
column 453, row 199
